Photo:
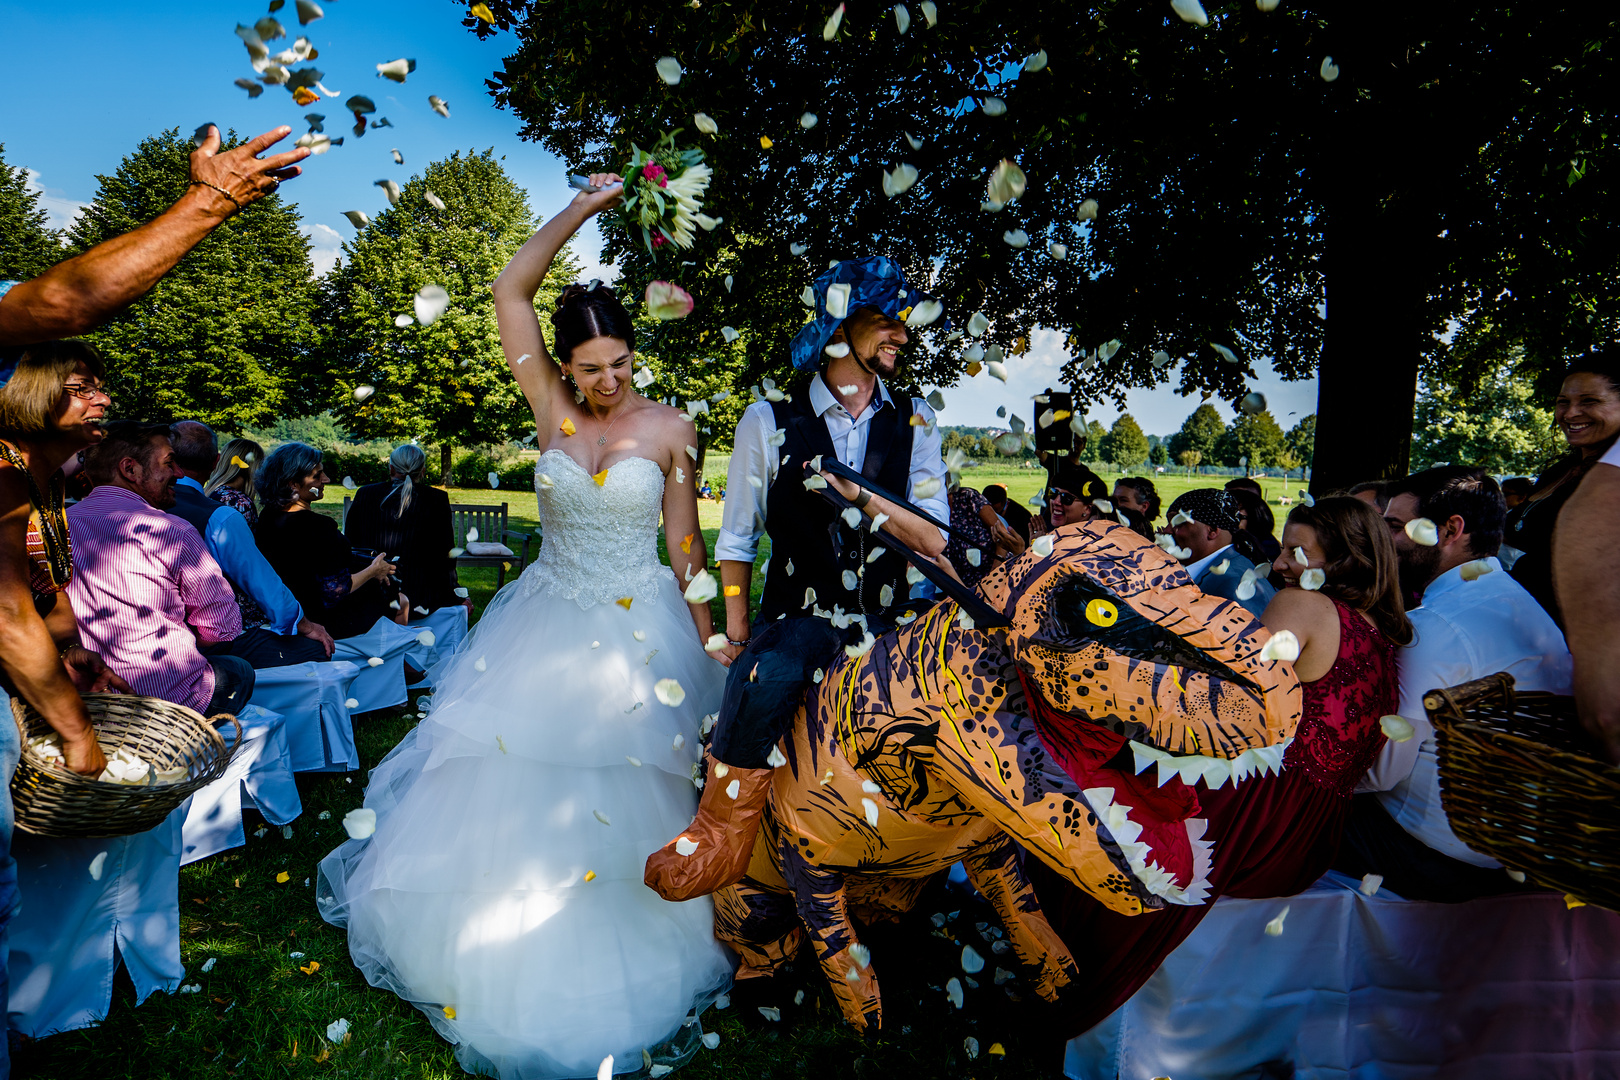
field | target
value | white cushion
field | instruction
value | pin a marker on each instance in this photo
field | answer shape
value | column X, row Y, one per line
column 488, row 547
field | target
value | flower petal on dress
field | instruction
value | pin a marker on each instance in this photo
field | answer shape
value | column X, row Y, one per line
column 360, row 823
column 669, row 691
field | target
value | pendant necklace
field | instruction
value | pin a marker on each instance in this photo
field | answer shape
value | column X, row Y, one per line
column 602, row 441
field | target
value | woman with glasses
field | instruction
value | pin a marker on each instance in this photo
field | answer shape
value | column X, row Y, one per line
column 1071, row 497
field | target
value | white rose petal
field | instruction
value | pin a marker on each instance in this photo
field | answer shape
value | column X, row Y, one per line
column 430, row 303
column 1312, row 579
column 1396, row 728
column 808, row 120
column 1370, row 884
column 1329, row 69
column 1274, row 928
column 993, row 106
column 336, row 1030
column 351, row 703
column 972, row 962
column 360, row 823
column 1190, row 11
column 702, row 590
column 1283, row 645
column 705, row 124
column 670, row 70
column 1042, row 545
column 870, row 809
column 685, row 847
column 669, row 692
column 1423, row 532
column 96, row 865
column 953, row 991
column 603, row 818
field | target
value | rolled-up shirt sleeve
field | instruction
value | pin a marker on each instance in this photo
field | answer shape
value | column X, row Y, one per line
column 754, row 464
column 230, row 541
column 928, row 463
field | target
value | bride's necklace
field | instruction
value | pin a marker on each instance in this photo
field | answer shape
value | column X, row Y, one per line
column 602, row 440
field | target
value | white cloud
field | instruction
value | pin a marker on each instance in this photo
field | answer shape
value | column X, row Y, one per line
column 325, row 246
column 62, row 210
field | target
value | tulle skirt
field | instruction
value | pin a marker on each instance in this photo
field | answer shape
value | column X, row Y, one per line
column 502, row 892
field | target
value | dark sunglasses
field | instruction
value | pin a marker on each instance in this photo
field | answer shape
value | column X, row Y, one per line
column 1067, row 498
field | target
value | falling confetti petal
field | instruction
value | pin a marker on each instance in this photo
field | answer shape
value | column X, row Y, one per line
column 1088, row 210
column 902, row 18
column 439, row 105
column 1423, row 532
column 1283, row 645
column 1057, row 251
column 360, row 823
column 1006, row 183
column 1274, row 928
column 1370, row 884
column 1036, row 62
column 953, row 991
column 993, row 106
column 705, row 124
column 604, row 1071
column 830, row 30
column 711, row 1039
column 96, row 865
column 702, row 589
column 437, row 204
column 1330, row 70
column 996, row 370
column 1253, row 404
column 1312, row 579
column 665, row 300
column 972, row 962
column 1396, row 728
column 670, row 70
column 396, row 69
column 390, row 189
column 430, row 303
column 899, row 181
column 1016, row 238
column 363, row 391
column 1190, row 11
column 357, row 218
column 1475, row 569
column 603, row 818
column 253, row 89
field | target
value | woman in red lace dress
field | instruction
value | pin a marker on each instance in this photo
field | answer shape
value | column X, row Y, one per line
column 1274, row 834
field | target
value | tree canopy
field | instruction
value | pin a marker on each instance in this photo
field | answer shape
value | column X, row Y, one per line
column 1125, row 445
column 1211, row 187
column 1498, row 423
column 28, row 245
column 1199, row 433
column 223, row 337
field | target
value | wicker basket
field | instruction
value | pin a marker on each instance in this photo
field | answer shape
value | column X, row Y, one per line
column 1521, row 782
column 50, row 801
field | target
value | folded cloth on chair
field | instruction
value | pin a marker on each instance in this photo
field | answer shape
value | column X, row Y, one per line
column 488, row 547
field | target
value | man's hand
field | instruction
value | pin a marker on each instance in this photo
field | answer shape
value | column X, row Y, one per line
column 847, row 488
column 316, row 632
column 90, row 673
column 84, row 754
column 240, row 172
column 728, row 655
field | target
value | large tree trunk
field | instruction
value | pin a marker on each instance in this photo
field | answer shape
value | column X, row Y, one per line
column 444, row 464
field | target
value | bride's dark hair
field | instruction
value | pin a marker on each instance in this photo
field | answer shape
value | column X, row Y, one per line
column 589, row 311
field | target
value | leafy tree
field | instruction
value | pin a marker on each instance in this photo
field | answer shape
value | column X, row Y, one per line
column 1159, row 455
column 1499, row 423
column 1235, row 188
column 1096, row 436
column 224, row 336
column 1301, row 441
column 1125, row 445
column 1255, row 438
column 321, row 431
column 1190, row 458
column 1200, row 432
column 447, row 382
column 28, row 246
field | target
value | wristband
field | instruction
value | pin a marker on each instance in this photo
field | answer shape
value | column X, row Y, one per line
column 743, row 644
column 862, row 499
column 216, row 187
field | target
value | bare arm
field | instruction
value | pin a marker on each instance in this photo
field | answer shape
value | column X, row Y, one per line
column 1589, row 594
column 76, row 296
column 683, row 536
column 525, row 347
column 27, row 653
column 902, row 524
column 1312, row 619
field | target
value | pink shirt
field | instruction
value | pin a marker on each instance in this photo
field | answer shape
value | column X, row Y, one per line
column 145, row 591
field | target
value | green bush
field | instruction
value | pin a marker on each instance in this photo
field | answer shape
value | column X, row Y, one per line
column 472, row 469
column 361, row 465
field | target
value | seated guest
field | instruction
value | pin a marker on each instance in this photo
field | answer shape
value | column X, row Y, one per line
column 1203, row 522
column 275, row 632
column 149, row 597
column 1072, row 492
column 1138, row 493
column 1516, row 489
column 1256, row 528
column 978, row 536
column 1465, row 630
column 411, row 519
column 1246, row 483
column 1016, row 517
column 231, row 482
column 1135, row 521
column 309, row 551
column 1372, row 492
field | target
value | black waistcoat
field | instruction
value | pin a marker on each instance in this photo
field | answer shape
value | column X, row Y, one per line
column 808, row 534
column 193, row 506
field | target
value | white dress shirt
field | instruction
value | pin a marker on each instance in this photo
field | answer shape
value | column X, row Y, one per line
column 1194, row 569
column 755, row 460
column 1465, row 630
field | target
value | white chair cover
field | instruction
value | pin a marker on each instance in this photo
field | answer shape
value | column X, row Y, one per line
column 1373, row 987
column 73, row 928
column 310, row 697
column 449, row 627
column 383, row 686
column 260, row 775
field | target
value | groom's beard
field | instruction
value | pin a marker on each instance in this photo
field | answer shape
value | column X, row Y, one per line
column 876, row 365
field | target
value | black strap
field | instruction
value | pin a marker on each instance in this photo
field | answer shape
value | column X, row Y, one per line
column 838, row 468
column 880, row 437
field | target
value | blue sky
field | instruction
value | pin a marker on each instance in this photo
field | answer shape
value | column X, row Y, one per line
column 101, row 76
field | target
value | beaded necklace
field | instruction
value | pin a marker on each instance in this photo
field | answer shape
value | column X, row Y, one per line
column 49, row 517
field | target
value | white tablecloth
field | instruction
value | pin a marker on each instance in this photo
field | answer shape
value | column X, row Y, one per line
column 311, row 698
column 1358, row 987
column 259, row 775
column 382, row 686
column 73, row 928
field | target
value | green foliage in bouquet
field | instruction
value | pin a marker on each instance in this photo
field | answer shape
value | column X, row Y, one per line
column 663, row 187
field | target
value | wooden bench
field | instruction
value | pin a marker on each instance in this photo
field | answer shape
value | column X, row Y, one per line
column 491, row 523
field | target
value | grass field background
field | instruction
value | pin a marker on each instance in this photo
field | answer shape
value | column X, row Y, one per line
column 282, row 975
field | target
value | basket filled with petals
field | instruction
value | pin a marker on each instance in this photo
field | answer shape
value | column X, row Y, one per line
column 663, row 192
column 158, row 754
column 1520, row 781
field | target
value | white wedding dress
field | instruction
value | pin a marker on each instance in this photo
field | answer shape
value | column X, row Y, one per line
column 547, row 758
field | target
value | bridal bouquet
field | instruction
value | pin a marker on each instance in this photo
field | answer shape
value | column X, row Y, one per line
column 662, row 192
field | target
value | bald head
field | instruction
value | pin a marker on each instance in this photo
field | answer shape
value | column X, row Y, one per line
column 196, row 450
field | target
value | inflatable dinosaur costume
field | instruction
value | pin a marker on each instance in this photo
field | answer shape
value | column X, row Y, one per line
column 946, row 743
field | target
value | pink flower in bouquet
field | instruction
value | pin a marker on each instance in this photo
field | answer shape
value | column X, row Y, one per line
column 667, row 300
column 658, row 240
column 653, row 171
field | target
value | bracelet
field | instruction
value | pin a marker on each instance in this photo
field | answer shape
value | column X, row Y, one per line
column 743, row 644
column 862, row 499
column 217, row 188
column 69, row 647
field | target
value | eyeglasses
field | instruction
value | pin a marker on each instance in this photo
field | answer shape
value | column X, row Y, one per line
column 1065, row 497
column 86, row 391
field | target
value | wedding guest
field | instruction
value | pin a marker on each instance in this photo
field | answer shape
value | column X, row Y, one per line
column 1016, row 517
column 231, row 482
column 1583, row 561
column 1203, row 523
column 1515, row 490
column 1587, row 411
column 1246, row 483
column 309, row 552
column 408, row 517
column 1138, row 493
column 1372, row 492
column 979, row 538
column 275, row 632
column 1466, row 628
column 841, row 409
column 148, row 595
column 1273, row 833
column 1256, row 526
column 1072, row 494
column 79, row 294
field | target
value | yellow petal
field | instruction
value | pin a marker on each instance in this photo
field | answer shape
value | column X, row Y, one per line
column 686, row 543
column 733, row 590
column 450, row 1010
column 764, row 142
column 567, row 427
column 600, row 478
column 624, row 602
column 238, row 462
column 998, row 1050
column 590, row 875
column 282, row 878
column 310, row 968
column 483, row 12
column 1572, row 903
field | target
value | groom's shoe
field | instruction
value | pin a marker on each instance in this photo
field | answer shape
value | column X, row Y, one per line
column 714, row 850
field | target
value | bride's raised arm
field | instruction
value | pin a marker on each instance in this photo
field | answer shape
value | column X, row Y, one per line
column 521, row 339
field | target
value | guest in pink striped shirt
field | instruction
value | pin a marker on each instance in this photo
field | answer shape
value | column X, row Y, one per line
column 149, row 597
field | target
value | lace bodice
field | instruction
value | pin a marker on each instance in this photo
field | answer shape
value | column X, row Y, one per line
column 1338, row 737
column 599, row 542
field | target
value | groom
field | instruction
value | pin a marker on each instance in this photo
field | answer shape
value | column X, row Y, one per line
column 824, row 587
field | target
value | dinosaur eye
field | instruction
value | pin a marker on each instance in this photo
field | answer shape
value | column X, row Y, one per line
column 1102, row 613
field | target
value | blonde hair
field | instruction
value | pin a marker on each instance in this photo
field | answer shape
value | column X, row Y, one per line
column 30, row 400
column 226, row 470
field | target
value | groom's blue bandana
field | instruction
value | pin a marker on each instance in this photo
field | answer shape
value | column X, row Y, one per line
column 874, row 283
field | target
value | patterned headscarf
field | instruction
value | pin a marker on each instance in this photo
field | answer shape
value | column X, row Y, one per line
column 874, row 283
column 1209, row 506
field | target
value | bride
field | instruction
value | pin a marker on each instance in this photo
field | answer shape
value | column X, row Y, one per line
column 502, row 891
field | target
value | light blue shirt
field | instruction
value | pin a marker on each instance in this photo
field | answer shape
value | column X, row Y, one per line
column 8, row 357
column 230, row 541
column 1465, row 630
